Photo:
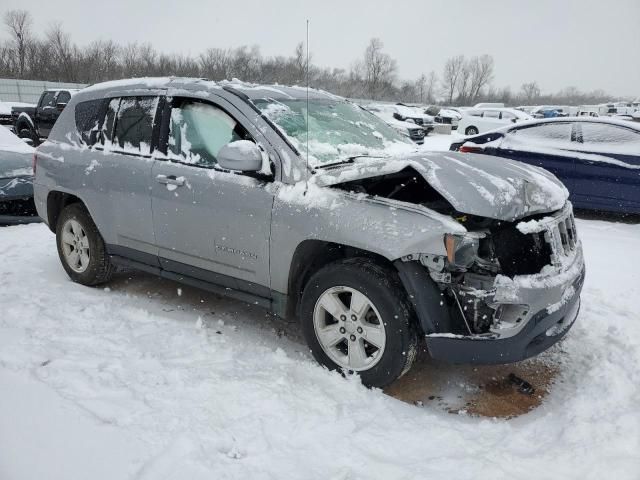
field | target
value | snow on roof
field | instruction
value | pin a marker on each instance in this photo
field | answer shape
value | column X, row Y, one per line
column 280, row 92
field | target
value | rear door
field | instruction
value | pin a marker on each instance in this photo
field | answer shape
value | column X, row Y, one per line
column 211, row 224
column 119, row 176
column 608, row 166
column 546, row 145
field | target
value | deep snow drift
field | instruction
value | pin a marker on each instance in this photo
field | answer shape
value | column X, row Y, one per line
column 148, row 379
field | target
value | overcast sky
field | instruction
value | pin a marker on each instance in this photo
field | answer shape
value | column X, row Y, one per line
column 584, row 43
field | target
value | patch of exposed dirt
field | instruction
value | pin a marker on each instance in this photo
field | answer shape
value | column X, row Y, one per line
column 504, row 391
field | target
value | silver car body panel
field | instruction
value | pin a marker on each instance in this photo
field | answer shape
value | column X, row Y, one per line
column 249, row 228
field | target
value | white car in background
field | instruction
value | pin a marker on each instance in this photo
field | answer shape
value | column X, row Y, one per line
column 409, row 129
column 480, row 120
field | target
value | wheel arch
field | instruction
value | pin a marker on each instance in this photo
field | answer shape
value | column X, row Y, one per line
column 56, row 202
column 310, row 256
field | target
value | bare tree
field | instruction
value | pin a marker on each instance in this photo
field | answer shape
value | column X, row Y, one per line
column 216, row 63
column 481, row 69
column 300, row 63
column 451, row 76
column 530, row 91
column 431, row 86
column 19, row 24
column 63, row 54
column 379, row 69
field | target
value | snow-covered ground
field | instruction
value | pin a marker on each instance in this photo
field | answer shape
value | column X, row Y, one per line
column 148, row 379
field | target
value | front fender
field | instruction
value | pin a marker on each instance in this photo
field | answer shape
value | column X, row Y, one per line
column 384, row 227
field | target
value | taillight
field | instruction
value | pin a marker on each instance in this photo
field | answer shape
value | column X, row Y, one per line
column 35, row 162
column 469, row 149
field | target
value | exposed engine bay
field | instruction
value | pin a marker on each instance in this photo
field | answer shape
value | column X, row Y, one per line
column 466, row 275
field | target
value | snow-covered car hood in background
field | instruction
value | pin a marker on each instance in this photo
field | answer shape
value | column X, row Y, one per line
column 475, row 184
column 15, row 155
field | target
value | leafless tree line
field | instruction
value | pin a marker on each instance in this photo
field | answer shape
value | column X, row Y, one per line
column 464, row 81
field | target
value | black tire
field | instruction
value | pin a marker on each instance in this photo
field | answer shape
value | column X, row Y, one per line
column 28, row 133
column 99, row 269
column 382, row 286
column 471, row 131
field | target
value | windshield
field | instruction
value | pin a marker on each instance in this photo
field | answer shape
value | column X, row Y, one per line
column 337, row 129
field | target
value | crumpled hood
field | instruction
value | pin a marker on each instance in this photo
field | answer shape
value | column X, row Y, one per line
column 482, row 185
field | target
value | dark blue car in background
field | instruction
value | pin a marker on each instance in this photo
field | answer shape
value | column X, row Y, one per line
column 597, row 159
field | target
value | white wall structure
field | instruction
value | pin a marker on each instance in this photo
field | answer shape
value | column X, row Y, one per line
column 28, row 91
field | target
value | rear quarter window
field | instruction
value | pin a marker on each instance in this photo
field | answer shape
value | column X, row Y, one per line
column 89, row 116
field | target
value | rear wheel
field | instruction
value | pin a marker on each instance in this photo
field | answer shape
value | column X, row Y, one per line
column 81, row 248
column 355, row 318
column 471, row 131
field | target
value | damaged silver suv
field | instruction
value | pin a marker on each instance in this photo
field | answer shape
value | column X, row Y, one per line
column 312, row 207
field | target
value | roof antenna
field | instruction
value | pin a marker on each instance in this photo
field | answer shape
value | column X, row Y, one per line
column 307, row 120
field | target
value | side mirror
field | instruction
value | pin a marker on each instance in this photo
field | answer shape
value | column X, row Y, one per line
column 60, row 106
column 241, row 155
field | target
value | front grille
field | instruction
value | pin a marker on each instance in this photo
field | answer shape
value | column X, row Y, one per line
column 561, row 235
column 551, row 242
column 6, row 120
column 416, row 134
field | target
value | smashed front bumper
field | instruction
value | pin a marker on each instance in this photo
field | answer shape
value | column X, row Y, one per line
column 535, row 311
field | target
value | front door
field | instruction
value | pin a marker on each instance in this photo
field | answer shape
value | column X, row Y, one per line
column 209, row 223
column 608, row 167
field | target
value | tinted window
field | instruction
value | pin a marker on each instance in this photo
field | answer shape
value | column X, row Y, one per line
column 88, row 119
column 134, row 124
column 48, row 100
column 603, row 138
column 599, row 133
column 63, row 97
column 199, row 130
column 551, row 134
column 106, row 136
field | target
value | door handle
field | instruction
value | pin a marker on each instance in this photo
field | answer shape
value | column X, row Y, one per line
column 170, row 180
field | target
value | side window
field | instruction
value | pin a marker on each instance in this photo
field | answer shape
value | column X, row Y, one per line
column 134, row 124
column 491, row 114
column 507, row 116
column 48, row 100
column 600, row 137
column 88, row 119
column 106, row 132
column 63, row 97
column 552, row 135
column 198, row 131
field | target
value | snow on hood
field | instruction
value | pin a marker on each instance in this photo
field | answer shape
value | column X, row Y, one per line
column 475, row 184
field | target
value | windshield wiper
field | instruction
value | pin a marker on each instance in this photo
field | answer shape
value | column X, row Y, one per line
column 347, row 160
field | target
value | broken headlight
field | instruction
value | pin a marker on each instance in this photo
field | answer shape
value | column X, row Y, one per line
column 462, row 249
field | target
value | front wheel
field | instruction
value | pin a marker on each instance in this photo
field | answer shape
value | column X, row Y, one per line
column 81, row 248
column 355, row 318
column 471, row 131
